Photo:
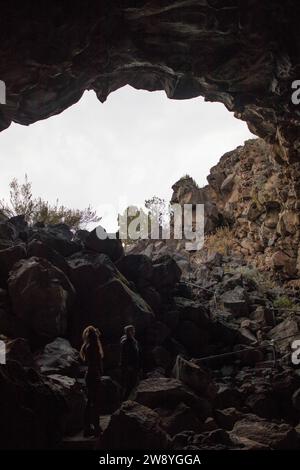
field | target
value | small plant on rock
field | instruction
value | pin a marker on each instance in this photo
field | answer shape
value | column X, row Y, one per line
column 284, row 303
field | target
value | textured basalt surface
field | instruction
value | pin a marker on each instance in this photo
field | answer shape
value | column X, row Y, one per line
column 256, row 197
column 244, row 54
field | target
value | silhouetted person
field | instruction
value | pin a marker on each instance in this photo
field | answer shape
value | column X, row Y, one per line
column 130, row 360
column 92, row 354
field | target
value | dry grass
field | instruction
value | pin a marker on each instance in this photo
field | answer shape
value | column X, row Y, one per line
column 221, row 241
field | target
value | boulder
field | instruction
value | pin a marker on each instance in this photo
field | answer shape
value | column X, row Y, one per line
column 182, row 440
column 11, row 326
column 194, row 377
column 112, row 247
column 283, row 334
column 8, row 231
column 42, row 297
column 4, row 244
column 284, row 263
column 60, row 358
column 115, row 305
column 228, row 183
column 3, row 217
column 193, row 338
column 217, row 437
column 80, row 236
column 228, row 397
column 247, row 337
column 88, row 270
column 254, row 211
column 269, row 434
column 43, row 250
column 134, row 427
column 232, row 281
column 162, row 357
column 262, row 316
column 214, row 259
column 19, row 222
column 8, row 258
column 182, row 419
column 296, row 399
column 31, row 412
column 136, row 268
column 288, row 223
column 162, row 392
column 171, row 318
column 110, row 392
column 18, row 349
column 4, row 300
column 72, row 392
column 57, row 236
column 209, row 425
column 212, row 217
column 262, row 401
column 158, row 333
column 224, row 332
column 166, row 273
column 191, row 311
column 227, row 417
column 236, row 300
column 152, row 297
column 249, row 356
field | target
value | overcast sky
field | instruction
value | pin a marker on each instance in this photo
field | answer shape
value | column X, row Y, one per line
column 135, row 145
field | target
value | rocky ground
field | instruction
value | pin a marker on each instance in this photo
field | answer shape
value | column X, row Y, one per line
column 54, row 283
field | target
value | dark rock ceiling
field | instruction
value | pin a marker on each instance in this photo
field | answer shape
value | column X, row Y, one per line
column 243, row 53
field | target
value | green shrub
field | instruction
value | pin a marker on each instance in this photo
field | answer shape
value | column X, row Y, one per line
column 284, row 302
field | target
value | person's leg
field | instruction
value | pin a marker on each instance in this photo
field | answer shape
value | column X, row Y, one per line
column 131, row 381
column 125, row 373
column 134, row 378
column 87, row 431
column 96, row 408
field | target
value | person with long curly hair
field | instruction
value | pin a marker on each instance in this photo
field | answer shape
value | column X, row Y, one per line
column 92, row 354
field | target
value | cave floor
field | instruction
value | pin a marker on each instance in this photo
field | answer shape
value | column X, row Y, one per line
column 79, row 442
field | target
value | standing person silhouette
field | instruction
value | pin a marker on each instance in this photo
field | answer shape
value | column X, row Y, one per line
column 92, row 354
column 129, row 360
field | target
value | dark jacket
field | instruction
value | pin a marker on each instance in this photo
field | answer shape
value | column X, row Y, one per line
column 130, row 352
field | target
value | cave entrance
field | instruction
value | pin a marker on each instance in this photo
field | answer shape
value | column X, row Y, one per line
column 132, row 147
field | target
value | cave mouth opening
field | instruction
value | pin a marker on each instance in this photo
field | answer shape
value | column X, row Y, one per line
column 120, row 153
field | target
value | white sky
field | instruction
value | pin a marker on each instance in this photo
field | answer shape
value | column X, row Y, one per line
column 132, row 147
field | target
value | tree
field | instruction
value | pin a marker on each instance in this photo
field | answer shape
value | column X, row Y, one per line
column 22, row 202
column 160, row 210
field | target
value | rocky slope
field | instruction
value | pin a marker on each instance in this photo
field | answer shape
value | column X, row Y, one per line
column 251, row 211
column 53, row 284
column 252, row 194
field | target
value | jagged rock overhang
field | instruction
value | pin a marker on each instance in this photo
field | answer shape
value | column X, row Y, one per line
column 244, row 54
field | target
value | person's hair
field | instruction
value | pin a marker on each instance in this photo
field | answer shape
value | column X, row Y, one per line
column 91, row 338
column 128, row 328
